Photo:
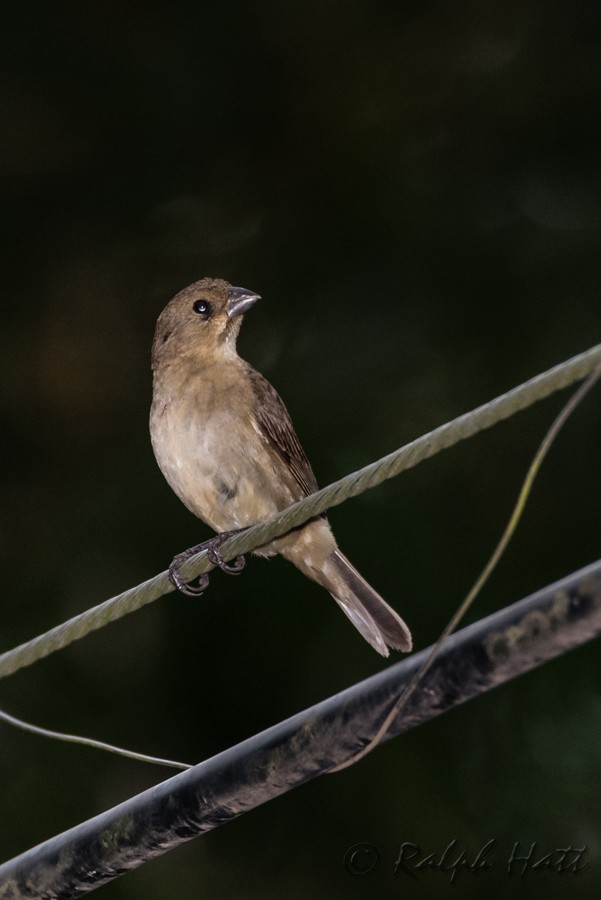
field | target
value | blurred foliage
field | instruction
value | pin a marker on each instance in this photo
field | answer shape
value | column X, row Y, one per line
column 415, row 191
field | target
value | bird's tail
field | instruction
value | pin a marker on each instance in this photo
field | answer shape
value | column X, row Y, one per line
column 379, row 624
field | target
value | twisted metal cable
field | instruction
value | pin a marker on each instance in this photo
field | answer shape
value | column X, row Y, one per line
column 351, row 485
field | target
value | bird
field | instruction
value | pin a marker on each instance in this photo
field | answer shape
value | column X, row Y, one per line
column 226, row 445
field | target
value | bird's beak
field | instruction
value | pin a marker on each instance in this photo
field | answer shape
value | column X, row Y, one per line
column 239, row 301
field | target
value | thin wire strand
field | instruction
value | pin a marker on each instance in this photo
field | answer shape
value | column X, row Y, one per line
column 441, row 438
column 90, row 742
column 486, row 572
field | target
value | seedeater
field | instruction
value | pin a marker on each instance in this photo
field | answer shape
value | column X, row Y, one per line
column 225, row 443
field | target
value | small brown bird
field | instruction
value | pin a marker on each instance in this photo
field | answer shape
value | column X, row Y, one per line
column 225, row 443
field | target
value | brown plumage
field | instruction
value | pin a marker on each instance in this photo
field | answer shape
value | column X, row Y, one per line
column 225, row 443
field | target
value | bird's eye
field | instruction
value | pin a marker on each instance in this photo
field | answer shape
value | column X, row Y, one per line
column 203, row 308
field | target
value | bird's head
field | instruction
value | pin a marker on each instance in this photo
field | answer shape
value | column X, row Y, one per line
column 202, row 322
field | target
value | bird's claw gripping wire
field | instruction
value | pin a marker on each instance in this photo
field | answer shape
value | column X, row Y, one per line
column 230, row 568
column 190, row 589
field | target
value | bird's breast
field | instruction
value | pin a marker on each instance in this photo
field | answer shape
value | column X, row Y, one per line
column 217, row 463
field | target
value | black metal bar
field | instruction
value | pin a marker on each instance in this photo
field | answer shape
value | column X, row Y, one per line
column 476, row 659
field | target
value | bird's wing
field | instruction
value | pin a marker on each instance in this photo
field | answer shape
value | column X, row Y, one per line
column 276, row 426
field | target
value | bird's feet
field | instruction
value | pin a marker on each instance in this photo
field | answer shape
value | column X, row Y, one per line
column 190, row 589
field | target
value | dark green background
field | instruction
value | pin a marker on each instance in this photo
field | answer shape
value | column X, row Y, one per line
column 414, row 189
